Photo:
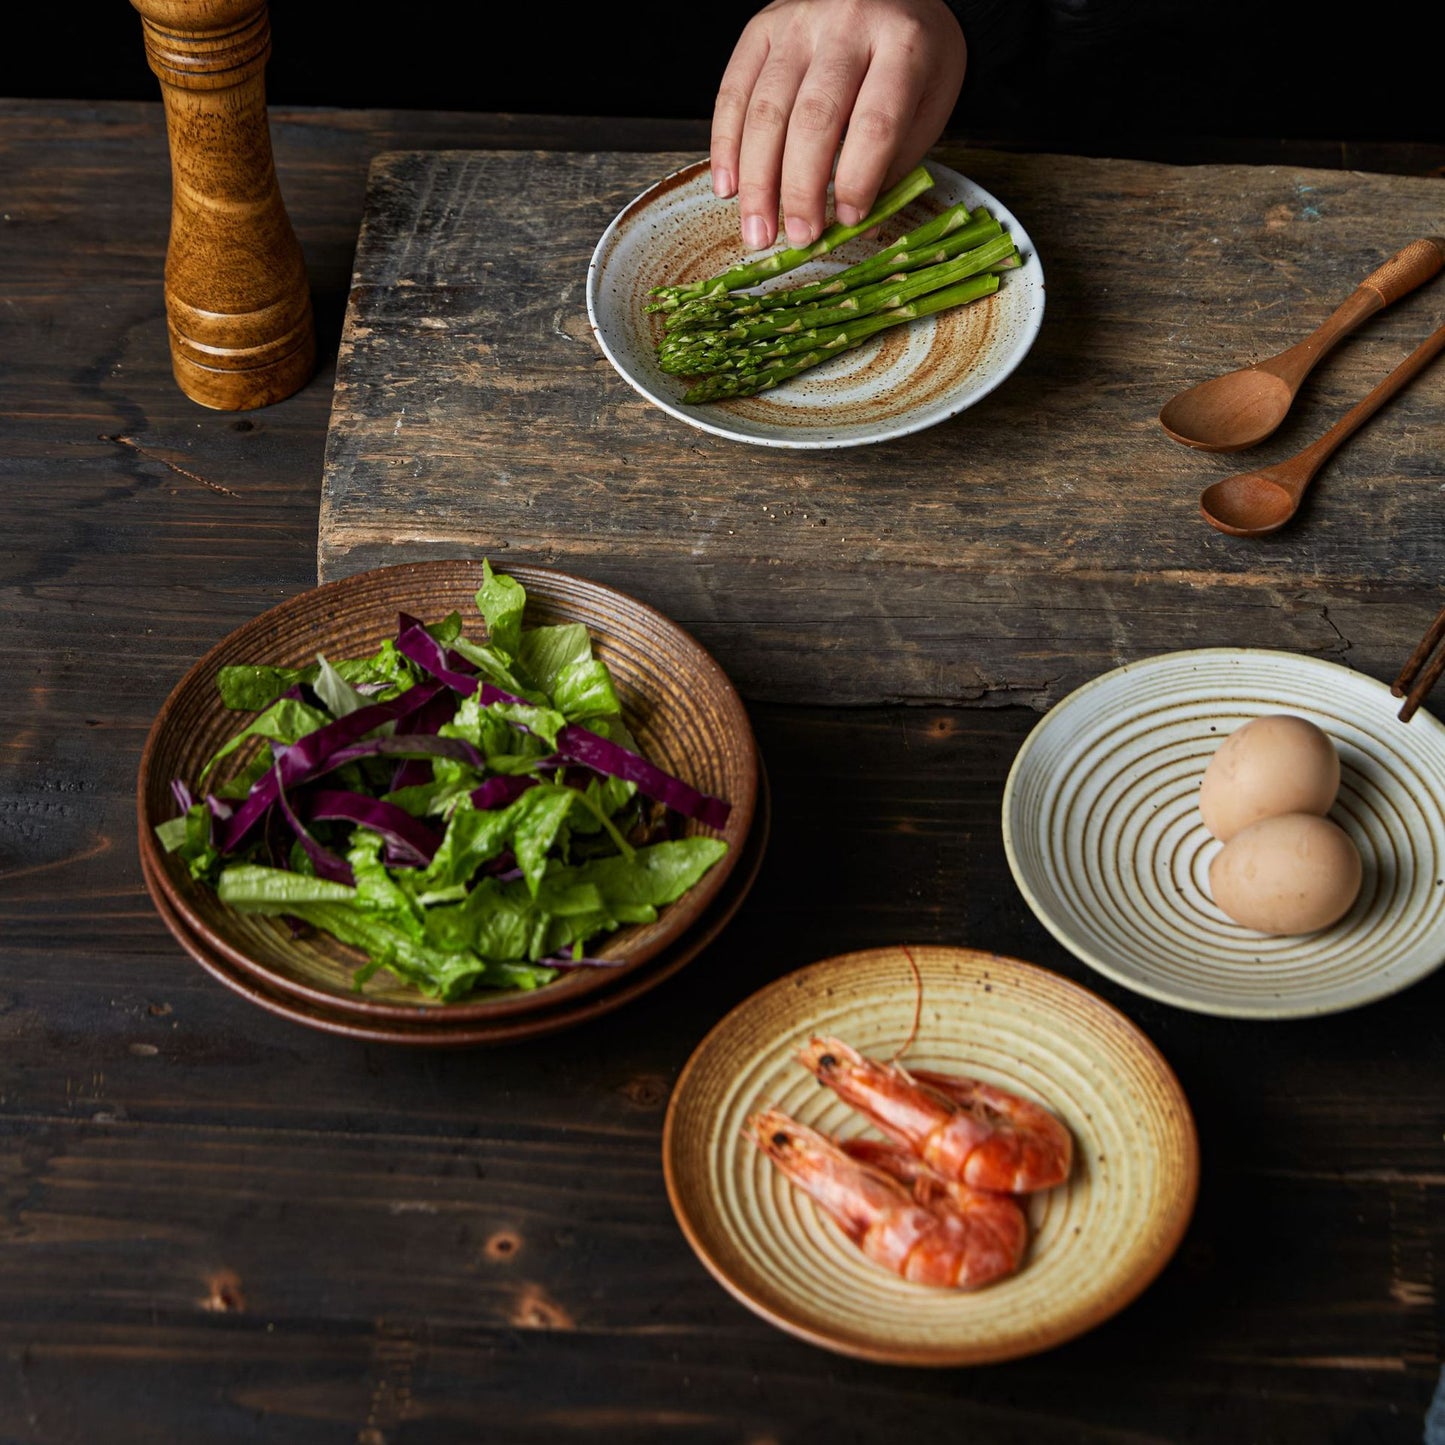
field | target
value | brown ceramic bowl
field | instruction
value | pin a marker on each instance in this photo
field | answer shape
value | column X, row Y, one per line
column 679, row 704
column 442, row 1028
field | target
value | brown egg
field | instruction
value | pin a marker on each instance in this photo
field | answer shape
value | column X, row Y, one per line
column 1277, row 763
column 1290, row 873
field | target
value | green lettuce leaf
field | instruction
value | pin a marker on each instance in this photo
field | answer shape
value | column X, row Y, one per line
column 501, row 600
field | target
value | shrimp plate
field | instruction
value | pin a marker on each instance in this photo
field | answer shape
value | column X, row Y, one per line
column 1094, row 1240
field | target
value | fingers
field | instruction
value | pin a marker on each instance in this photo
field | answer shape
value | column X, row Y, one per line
column 760, row 157
column 902, row 107
column 731, row 107
column 769, row 66
column 825, row 100
column 882, row 120
column 866, row 84
column 780, row 113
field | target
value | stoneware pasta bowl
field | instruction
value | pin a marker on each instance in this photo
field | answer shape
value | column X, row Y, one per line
column 431, row 1027
column 1103, row 834
column 683, row 712
column 899, row 382
column 1096, row 1241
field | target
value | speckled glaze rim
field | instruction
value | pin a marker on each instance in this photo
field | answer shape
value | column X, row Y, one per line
column 763, row 420
column 1097, row 1242
column 1110, row 775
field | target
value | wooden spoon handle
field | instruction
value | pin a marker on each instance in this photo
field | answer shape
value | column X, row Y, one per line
column 1413, row 266
column 1314, row 456
column 1410, row 267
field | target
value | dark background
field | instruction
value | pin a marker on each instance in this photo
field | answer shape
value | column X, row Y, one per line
column 1126, row 77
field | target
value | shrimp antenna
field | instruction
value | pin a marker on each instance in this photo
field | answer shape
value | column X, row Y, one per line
column 917, row 1005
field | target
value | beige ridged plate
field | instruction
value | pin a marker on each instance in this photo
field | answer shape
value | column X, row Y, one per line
column 1097, row 1241
column 1102, row 830
column 908, row 378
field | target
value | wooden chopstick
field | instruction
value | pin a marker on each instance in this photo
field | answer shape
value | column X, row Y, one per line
column 1414, row 683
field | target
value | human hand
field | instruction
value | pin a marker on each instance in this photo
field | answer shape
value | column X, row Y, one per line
column 877, row 77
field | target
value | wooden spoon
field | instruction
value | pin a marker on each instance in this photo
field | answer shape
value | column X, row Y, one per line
column 1241, row 408
column 1253, row 503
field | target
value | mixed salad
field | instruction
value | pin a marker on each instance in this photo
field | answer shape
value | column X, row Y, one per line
column 470, row 815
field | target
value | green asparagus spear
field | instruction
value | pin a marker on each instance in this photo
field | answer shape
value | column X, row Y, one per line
column 750, row 273
column 758, row 354
column 908, row 252
column 675, row 353
column 724, row 384
column 689, row 354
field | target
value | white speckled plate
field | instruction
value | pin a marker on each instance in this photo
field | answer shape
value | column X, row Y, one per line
column 1102, row 830
column 1096, row 1241
column 908, row 378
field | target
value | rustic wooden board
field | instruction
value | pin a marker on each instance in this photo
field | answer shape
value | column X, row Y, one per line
column 1046, row 534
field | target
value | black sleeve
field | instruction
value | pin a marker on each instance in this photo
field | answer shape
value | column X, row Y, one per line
column 1051, row 68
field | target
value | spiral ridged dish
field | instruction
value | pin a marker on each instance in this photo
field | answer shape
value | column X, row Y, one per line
column 1102, row 830
column 909, row 378
column 1096, row 1241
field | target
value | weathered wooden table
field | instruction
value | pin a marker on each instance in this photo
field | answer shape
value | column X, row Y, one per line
column 218, row 1225
column 1004, row 557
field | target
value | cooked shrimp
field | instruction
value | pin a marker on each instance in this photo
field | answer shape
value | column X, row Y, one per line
column 936, row 1243
column 963, row 1129
column 998, row 1215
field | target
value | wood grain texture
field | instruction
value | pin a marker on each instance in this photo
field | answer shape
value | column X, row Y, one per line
column 1047, row 533
column 216, row 1225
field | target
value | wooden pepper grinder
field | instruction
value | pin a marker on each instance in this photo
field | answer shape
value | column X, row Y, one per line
column 238, row 303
